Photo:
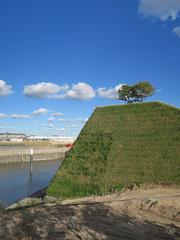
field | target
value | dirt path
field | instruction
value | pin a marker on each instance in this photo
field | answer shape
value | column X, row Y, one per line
column 140, row 214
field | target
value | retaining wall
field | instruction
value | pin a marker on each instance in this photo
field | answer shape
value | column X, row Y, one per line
column 24, row 156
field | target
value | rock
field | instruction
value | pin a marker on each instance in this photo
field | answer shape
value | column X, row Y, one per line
column 24, row 202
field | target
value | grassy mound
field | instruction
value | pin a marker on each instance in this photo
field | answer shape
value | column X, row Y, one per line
column 120, row 146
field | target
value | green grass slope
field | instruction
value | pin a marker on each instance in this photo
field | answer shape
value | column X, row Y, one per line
column 120, row 146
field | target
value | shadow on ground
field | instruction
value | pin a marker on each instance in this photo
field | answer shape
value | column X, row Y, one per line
column 94, row 221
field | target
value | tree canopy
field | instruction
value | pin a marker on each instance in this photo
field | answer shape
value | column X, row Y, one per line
column 137, row 92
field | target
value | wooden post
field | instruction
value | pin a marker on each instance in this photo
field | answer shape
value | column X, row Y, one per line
column 31, row 159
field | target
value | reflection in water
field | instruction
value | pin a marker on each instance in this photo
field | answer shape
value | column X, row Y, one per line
column 29, row 181
column 16, row 182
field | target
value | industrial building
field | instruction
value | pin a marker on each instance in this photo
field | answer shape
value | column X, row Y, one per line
column 13, row 137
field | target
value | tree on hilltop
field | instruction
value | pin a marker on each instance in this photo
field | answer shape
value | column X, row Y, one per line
column 136, row 93
column 125, row 93
column 142, row 90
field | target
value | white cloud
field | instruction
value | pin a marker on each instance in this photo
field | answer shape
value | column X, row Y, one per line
column 176, row 30
column 81, row 91
column 69, row 129
column 40, row 111
column 19, row 116
column 110, row 93
column 61, row 119
column 44, row 89
column 50, row 125
column 60, row 129
column 51, row 119
column 5, row 89
column 72, row 119
column 2, row 115
column 161, row 9
column 75, row 126
column 15, row 116
column 56, row 114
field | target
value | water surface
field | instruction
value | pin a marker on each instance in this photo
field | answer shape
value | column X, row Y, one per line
column 16, row 182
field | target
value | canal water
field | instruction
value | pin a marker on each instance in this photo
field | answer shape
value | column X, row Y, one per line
column 16, row 182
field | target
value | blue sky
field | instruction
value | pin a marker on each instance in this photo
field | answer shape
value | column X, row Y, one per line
column 61, row 59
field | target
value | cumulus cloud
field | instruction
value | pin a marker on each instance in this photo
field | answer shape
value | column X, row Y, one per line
column 44, row 89
column 81, row 91
column 40, row 111
column 110, row 93
column 56, row 114
column 15, row 116
column 61, row 119
column 50, row 125
column 2, row 115
column 5, row 89
column 19, row 116
column 60, row 129
column 69, row 129
column 51, row 119
column 72, row 119
column 161, row 9
column 176, row 31
column 75, row 126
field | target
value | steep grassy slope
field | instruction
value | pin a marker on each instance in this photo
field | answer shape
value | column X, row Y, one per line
column 120, row 146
